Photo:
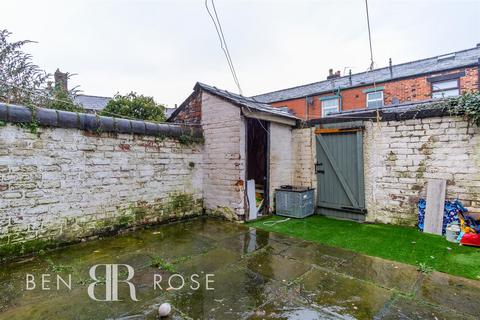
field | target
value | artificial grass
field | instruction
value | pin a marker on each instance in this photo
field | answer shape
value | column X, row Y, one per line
column 403, row 244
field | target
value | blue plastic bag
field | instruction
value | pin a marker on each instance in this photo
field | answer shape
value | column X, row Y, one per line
column 450, row 213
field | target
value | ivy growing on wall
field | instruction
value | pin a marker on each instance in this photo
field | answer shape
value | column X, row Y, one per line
column 468, row 106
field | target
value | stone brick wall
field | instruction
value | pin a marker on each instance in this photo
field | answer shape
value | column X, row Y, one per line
column 223, row 158
column 66, row 184
column 281, row 157
column 401, row 155
column 304, row 157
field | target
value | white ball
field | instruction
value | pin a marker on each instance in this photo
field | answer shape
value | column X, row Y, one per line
column 164, row 309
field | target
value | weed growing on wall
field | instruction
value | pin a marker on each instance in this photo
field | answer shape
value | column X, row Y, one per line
column 159, row 263
column 187, row 140
column 33, row 125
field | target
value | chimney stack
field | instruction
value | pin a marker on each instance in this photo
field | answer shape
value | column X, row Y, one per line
column 61, row 80
column 332, row 75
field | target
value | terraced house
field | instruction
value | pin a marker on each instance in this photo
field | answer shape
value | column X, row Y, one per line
column 422, row 80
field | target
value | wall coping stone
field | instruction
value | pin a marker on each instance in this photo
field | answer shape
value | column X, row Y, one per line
column 94, row 123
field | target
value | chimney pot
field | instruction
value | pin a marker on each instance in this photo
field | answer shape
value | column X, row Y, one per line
column 332, row 75
column 61, row 80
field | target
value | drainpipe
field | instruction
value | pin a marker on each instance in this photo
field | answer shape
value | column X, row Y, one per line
column 340, row 100
column 478, row 73
column 306, row 108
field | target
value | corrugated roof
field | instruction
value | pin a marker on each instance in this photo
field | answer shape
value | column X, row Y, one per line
column 95, row 103
column 249, row 103
column 430, row 65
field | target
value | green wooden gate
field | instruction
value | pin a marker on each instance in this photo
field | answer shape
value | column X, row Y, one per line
column 339, row 170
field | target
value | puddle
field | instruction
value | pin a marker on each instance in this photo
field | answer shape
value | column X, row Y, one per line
column 256, row 275
column 382, row 272
column 276, row 267
column 345, row 296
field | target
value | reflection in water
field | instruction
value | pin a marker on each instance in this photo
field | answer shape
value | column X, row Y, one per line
column 258, row 275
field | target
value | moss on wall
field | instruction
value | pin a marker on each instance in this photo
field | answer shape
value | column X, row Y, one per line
column 176, row 206
column 9, row 251
column 223, row 212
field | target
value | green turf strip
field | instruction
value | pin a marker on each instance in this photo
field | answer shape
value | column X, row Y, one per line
column 403, row 244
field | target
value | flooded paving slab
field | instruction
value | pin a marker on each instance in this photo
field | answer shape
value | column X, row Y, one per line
column 238, row 291
column 247, row 242
column 291, row 312
column 273, row 266
column 407, row 308
column 345, row 296
column 326, row 257
column 452, row 292
column 212, row 269
column 384, row 273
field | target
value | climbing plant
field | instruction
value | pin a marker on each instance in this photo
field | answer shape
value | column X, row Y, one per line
column 467, row 105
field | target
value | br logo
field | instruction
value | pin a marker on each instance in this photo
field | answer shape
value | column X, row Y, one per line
column 111, row 282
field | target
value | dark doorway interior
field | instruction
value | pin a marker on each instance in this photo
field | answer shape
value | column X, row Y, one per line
column 257, row 155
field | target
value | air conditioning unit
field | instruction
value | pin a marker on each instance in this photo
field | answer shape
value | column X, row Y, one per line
column 295, row 202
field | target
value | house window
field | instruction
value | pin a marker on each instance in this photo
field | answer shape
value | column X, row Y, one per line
column 445, row 89
column 329, row 106
column 375, row 99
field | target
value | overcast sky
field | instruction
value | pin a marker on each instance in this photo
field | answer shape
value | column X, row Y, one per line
column 161, row 48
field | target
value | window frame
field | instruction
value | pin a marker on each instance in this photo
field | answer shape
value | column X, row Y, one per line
column 329, row 99
column 376, row 91
column 432, row 90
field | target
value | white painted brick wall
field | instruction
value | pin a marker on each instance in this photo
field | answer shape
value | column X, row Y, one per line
column 57, row 182
column 281, row 157
column 304, row 155
column 223, row 158
column 401, row 156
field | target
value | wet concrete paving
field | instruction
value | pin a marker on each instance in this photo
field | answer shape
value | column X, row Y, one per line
column 256, row 274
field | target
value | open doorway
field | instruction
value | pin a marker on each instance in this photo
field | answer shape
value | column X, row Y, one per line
column 257, row 162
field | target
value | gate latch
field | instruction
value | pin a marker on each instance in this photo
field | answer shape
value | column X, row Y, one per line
column 319, row 168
